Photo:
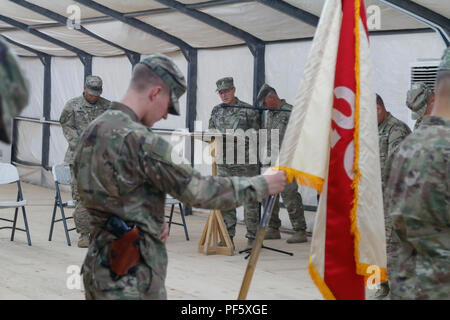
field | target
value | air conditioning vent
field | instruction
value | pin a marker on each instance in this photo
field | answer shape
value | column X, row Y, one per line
column 425, row 71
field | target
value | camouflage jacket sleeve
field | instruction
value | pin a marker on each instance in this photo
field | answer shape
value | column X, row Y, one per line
column 174, row 175
column 211, row 124
column 252, row 117
column 69, row 127
column 396, row 136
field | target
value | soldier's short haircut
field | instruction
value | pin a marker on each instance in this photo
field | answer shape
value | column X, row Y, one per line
column 380, row 101
column 144, row 78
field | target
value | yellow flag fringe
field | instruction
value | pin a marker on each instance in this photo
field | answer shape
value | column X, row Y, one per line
column 302, row 178
column 361, row 268
column 319, row 282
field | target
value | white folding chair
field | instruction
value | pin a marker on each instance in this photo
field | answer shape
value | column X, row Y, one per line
column 61, row 175
column 173, row 202
column 9, row 174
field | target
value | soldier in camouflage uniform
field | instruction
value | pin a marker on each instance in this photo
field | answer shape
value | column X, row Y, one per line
column 417, row 198
column 14, row 92
column 277, row 121
column 391, row 132
column 419, row 100
column 75, row 117
column 123, row 169
column 227, row 118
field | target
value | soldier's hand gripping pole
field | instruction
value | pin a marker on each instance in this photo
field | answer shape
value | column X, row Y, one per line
column 257, row 245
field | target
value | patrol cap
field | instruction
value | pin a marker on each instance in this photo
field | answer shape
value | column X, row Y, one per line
column 445, row 61
column 417, row 97
column 94, row 85
column 224, row 83
column 169, row 72
column 263, row 92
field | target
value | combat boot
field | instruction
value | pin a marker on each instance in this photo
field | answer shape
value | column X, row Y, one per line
column 250, row 242
column 272, row 233
column 383, row 292
column 83, row 241
column 298, row 237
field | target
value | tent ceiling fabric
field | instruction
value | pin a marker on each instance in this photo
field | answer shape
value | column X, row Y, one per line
column 262, row 21
column 37, row 43
column 193, row 31
column 139, row 5
column 436, row 6
column 18, row 13
column 61, row 7
column 21, row 52
column 252, row 17
column 82, row 41
column 130, row 38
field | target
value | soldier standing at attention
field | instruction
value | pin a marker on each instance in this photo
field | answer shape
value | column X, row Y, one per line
column 391, row 131
column 14, row 92
column 417, row 198
column 75, row 117
column 124, row 172
column 278, row 120
column 227, row 118
column 419, row 100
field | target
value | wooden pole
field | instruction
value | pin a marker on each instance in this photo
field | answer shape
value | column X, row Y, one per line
column 256, row 249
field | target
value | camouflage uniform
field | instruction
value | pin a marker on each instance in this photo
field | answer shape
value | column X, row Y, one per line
column 417, row 101
column 75, row 117
column 224, row 117
column 390, row 133
column 417, row 200
column 131, row 182
column 278, row 120
column 14, row 92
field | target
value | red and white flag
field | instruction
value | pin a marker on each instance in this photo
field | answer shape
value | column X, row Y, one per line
column 331, row 145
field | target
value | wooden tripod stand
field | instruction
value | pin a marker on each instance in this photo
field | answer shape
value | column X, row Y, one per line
column 215, row 228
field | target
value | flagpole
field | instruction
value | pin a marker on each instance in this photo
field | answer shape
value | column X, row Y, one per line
column 257, row 245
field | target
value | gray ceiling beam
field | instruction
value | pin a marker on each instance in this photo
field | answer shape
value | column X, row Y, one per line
column 147, row 28
column 63, row 21
column 85, row 58
column 43, row 36
column 214, row 22
column 436, row 21
column 32, row 50
column 292, row 11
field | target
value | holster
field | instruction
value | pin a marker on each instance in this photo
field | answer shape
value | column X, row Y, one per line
column 123, row 253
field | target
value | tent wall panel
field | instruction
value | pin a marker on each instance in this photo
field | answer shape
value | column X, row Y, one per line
column 58, row 145
column 115, row 73
column 34, row 72
column 29, row 141
column 67, row 82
